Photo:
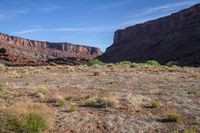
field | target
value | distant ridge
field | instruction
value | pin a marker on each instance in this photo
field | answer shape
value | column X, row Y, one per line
column 20, row 51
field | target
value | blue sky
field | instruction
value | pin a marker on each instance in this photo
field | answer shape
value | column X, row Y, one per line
column 86, row 22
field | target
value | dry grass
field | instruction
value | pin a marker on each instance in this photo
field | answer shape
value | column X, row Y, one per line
column 66, row 88
column 156, row 91
column 98, row 102
column 23, row 109
column 173, row 117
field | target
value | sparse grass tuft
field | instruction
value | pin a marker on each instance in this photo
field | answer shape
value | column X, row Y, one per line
column 59, row 103
column 68, row 98
column 25, row 117
column 87, row 97
column 189, row 131
column 155, row 105
column 95, row 62
column 72, row 108
column 27, row 124
column 173, row 117
column 156, row 91
column 3, row 91
column 42, row 90
column 171, row 63
column 101, row 102
column 97, row 73
column 192, row 92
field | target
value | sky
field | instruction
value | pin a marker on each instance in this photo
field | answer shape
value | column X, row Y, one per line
column 84, row 22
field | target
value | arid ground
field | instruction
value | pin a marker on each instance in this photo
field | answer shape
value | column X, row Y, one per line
column 106, row 99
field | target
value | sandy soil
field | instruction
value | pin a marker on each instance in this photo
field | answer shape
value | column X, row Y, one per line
column 135, row 88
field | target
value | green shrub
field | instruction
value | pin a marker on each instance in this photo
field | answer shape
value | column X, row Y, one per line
column 152, row 63
column 27, row 124
column 171, row 63
column 95, row 62
column 125, row 63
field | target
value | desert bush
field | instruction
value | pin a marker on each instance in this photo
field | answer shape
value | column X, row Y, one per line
column 155, row 105
column 97, row 73
column 125, row 63
column 189, row 131
column 171, row 63
column 59, row 103
column 25, row 117
column 2, row 66
column 173, row 117
column 42, row 90
column 152, row 63
column 192, row 91
column 68, row 98
column 94, row 62
column 27, row 124
column 3, row 91
column 101, row 102
column 156, row 91
column 72, row 108
column 87, row 97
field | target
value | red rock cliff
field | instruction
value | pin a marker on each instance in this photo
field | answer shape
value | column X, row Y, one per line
column 25, row 50
column 172, row 38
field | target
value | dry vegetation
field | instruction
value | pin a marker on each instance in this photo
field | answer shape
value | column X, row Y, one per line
column 123, row 97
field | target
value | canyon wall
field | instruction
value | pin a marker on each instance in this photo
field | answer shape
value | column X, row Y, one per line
column 23, row 51
column 171, row 38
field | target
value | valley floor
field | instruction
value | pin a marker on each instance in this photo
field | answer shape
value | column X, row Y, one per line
column 139, row 99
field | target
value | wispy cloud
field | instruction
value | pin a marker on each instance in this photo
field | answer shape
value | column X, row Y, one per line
column 50, row 8
column 165, row 7
column 2, row 16
column 20, row 12
column 148, row 14
column 114, row 4
column 95, row 29
column 156, row 12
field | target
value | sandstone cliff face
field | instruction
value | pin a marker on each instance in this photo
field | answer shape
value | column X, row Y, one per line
column 23, row 51
column 172, row 38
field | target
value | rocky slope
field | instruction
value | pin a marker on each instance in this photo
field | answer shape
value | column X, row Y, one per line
column 172, row 38
column 22, row 51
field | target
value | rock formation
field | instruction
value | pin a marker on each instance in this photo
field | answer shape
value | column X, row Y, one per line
column 16, row 50
column 171, row 38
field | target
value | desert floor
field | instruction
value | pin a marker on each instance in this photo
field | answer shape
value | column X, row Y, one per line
column 131, row 98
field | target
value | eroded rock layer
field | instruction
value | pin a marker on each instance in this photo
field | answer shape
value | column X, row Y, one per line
column 18, row 50
column 172, row 38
